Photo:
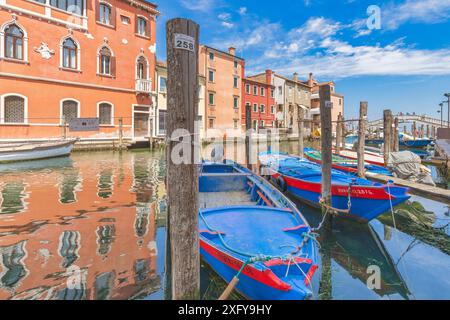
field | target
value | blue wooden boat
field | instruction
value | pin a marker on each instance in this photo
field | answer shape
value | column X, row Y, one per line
column 250, row 230
column 353, row 197
column 408, row 141
column 346, row 165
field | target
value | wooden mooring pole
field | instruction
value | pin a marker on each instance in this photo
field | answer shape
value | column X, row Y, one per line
column 387, row 126
column 396, row 142
column 120, row 133
column 301, row 128
column 362, row 138
column 248, row 128
column 339, row 133
column 182, row 170
column 326, row 143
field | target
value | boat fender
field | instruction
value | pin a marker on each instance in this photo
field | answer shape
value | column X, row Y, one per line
column 281, row 183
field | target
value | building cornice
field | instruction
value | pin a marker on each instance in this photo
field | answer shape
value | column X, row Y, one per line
column 69, row 83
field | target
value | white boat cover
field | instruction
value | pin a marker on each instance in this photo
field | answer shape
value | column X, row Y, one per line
column 408, row 165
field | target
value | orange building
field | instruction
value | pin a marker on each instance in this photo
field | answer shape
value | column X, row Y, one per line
column 224, row 72
column 66, row 59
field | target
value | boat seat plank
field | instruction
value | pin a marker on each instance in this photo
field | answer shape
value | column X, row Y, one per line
column 209, row 200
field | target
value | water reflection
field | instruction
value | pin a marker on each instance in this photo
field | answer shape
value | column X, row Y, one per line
column 88, row 224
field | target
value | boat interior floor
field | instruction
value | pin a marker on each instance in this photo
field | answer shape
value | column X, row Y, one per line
column 209, row 200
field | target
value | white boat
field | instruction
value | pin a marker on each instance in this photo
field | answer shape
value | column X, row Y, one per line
column 35, row 151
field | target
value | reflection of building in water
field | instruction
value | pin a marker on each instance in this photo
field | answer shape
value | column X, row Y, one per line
column 12, row 197
column 94, row 234
column 105, row 238
column 12, row 266
column 69, row 243
column 69, row 185
column 105, row 184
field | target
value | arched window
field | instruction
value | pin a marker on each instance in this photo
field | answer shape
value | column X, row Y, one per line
column 105, row 61
column 14, row 38
column 141, row 68
column 69, row 54
column 13, row 109
column 69, row 110
column 105, row 113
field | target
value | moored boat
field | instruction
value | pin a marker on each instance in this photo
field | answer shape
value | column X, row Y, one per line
column 35, row 151
column 345, row 165
column 408, row 141
column 250, row 230
column 353, row 197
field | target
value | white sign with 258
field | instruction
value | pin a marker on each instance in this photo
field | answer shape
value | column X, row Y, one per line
column 184, row 42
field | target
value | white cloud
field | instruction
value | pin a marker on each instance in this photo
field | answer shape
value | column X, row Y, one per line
column 242, row 10
column 226, row 24
column 224, row 16
column 424, row 11
column 198, row 5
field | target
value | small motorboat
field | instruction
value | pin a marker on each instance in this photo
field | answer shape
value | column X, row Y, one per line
column 352, row 197
column 344, row 164
column 35, row 151
column 369, row 156
column 405, row 140
column 249, row 230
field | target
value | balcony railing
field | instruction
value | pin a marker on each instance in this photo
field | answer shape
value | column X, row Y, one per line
column 144, row 85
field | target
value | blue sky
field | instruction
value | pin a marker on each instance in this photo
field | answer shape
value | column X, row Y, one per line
column 404, row 65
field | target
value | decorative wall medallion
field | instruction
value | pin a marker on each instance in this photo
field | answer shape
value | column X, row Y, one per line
column 45, row 51
column 152, row 48
column 124, row 41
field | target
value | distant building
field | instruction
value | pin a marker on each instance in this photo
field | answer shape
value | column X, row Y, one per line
column 159, row 128
column 336, row 99
column 61, row 60
column 290, row 95
column 259, row 95
column 223, row 73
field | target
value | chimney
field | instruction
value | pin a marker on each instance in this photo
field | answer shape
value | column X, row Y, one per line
column 310, row 79
column 269, row 74
column 295, row 78
column 232, row 51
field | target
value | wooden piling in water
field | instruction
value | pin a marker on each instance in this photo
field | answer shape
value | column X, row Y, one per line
column 339, row 134
column 396, row 142
column 362, row 138
column 182, row 179
column 326, row 139
column 300, row 123
column 120, row 133
column 387, row 126
column 414, row 130
column 248, row 127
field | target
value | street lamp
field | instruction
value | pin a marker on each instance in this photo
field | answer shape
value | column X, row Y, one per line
column 447, row 95
column 440, row 111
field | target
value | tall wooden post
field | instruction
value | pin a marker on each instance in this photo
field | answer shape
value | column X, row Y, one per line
column 150, row 138
column 404, row 129
column 182, row 179
column 120, row 133
column 339, row 134
column 387, row 126
column 428, row 131
column 396, row 142
column 343, row 132
column 326, row 139
column 414, row 130
column 300, row 123
column 248, row 127
column 64, row 127
column 362, row 138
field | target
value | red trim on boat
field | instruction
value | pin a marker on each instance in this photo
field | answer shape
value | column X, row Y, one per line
column 266, row 277
column 310, row 274
column 264, row 198
column 334, row 165
column 365, row 192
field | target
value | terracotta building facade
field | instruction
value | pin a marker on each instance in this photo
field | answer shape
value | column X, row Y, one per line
column 259, row 95
column 61, row 60
column 223, row 73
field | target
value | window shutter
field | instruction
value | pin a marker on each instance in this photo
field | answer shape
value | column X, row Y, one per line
column 97, row 10
column 136, row 21
column 113, row 66
column 113, row 16
column 148, row 29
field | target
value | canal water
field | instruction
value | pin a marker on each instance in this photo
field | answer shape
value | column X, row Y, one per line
column 92, row 226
